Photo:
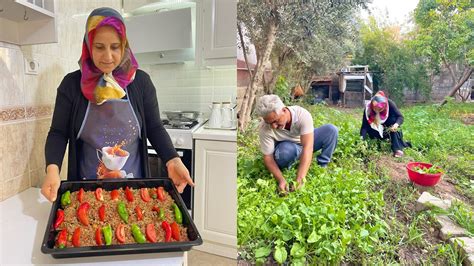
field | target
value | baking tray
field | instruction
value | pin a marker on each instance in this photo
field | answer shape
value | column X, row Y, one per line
column 47, row 247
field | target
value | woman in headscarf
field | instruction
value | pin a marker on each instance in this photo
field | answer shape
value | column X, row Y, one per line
column 106, row 111
column 382, row 119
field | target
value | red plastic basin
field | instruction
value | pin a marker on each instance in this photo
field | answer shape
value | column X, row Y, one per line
column 426, row 180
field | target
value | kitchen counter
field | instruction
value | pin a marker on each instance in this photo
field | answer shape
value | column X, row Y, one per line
column 23, row 219
column 215, row 134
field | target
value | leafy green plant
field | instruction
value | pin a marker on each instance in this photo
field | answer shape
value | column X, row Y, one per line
column 462, row 214
column 428, row 170
column 447, row 251
column 347, row 213
column 282, row 89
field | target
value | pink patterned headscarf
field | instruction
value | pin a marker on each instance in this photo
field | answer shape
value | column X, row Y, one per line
column 376, row 119
column 93, row 80
column 381, row 102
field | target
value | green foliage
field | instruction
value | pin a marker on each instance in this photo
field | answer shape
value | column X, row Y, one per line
column 395, row 64
column 425, row 170
column 445, row 32
column 463, row 215
column 335, row 213
column 431, row 132
column 312, row 36
column 283, row 90
column 340, row 215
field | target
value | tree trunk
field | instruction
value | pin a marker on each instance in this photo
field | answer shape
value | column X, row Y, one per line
column 244, row 50
column 276, row 66
column 249, row 98
column 448, row 66
column 467, row 73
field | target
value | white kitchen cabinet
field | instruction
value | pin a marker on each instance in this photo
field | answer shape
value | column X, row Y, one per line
column 25, row 22
column 215, row 196
column 130, row 5
column 140, row 7
column 217, row 38
column 163, row 37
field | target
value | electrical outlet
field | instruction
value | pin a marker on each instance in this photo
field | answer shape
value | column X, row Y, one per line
column 31, row 66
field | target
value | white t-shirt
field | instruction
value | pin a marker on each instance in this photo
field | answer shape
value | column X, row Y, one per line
column 301, row 124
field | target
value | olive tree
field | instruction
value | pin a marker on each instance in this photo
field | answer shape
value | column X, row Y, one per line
column 445, row 36
column 305, row 33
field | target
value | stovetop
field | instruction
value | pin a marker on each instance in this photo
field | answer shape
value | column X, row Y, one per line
column 179, row 125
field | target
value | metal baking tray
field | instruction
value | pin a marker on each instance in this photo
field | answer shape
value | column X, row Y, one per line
column 47, row 247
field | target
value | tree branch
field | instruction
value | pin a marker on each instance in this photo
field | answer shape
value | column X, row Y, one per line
column 467, row 73
column 244, row 49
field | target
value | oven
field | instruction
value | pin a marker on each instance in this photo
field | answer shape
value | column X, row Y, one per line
column 158, row 169
column 181, row 137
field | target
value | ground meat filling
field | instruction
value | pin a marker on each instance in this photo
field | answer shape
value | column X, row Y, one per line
column 112, row 217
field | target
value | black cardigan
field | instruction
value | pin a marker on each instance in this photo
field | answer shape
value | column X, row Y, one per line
column 394, row 116
column 70, row 110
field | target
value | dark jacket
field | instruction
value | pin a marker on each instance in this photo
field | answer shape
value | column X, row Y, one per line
column 394, row 116
column 70, row 110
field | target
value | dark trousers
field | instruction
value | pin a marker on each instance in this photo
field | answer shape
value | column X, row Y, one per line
column 396, row 138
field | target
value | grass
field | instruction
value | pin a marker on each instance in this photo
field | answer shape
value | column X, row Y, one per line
column 352, row 211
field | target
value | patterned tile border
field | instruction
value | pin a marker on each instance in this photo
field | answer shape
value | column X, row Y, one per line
column 19, row 113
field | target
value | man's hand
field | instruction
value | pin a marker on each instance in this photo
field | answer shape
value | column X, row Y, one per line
column 300, row 182
column 283, row 187
column 394, row 127
column 51, row 183
column 179, row 174
column 273, row 168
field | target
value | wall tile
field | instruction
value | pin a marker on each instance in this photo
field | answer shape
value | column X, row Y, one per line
column 3, row 155
column 16, row 150
column 8, row 45
column 63, row 173
column 36, row 178
column 37, row 133
column 191, row 86
column 32, row 91
column 11, row 76
column 15, row 185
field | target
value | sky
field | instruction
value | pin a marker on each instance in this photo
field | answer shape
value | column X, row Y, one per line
column 392, row 11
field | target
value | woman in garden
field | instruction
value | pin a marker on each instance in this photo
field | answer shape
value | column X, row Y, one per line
column 382, row 120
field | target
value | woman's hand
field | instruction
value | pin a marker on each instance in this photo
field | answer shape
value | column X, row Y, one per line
column 51, row 183
column 179, row 174
column 394, row 127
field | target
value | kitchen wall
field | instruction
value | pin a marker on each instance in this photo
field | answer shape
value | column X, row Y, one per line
column 27, row 101
column 190, row 87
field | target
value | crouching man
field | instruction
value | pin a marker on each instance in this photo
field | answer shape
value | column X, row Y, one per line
column 287, row 135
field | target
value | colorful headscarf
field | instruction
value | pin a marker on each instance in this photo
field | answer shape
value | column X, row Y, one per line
column 376, row 119
column 97, row 86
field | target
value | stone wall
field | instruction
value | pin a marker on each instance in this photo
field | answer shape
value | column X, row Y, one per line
column 441, row 85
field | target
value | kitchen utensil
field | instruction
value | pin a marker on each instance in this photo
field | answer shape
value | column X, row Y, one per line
column 47, row 247
column 227, row 115
column 216, row 116
column 182, row 116
column 194, row 115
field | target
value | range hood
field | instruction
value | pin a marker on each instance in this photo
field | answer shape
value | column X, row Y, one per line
column 162, row 37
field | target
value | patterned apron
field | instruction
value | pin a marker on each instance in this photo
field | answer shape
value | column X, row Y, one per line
column 110, row 133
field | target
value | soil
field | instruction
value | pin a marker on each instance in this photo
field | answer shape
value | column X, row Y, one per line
column 395, row 169
column 468, row 119
column 445, row 189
